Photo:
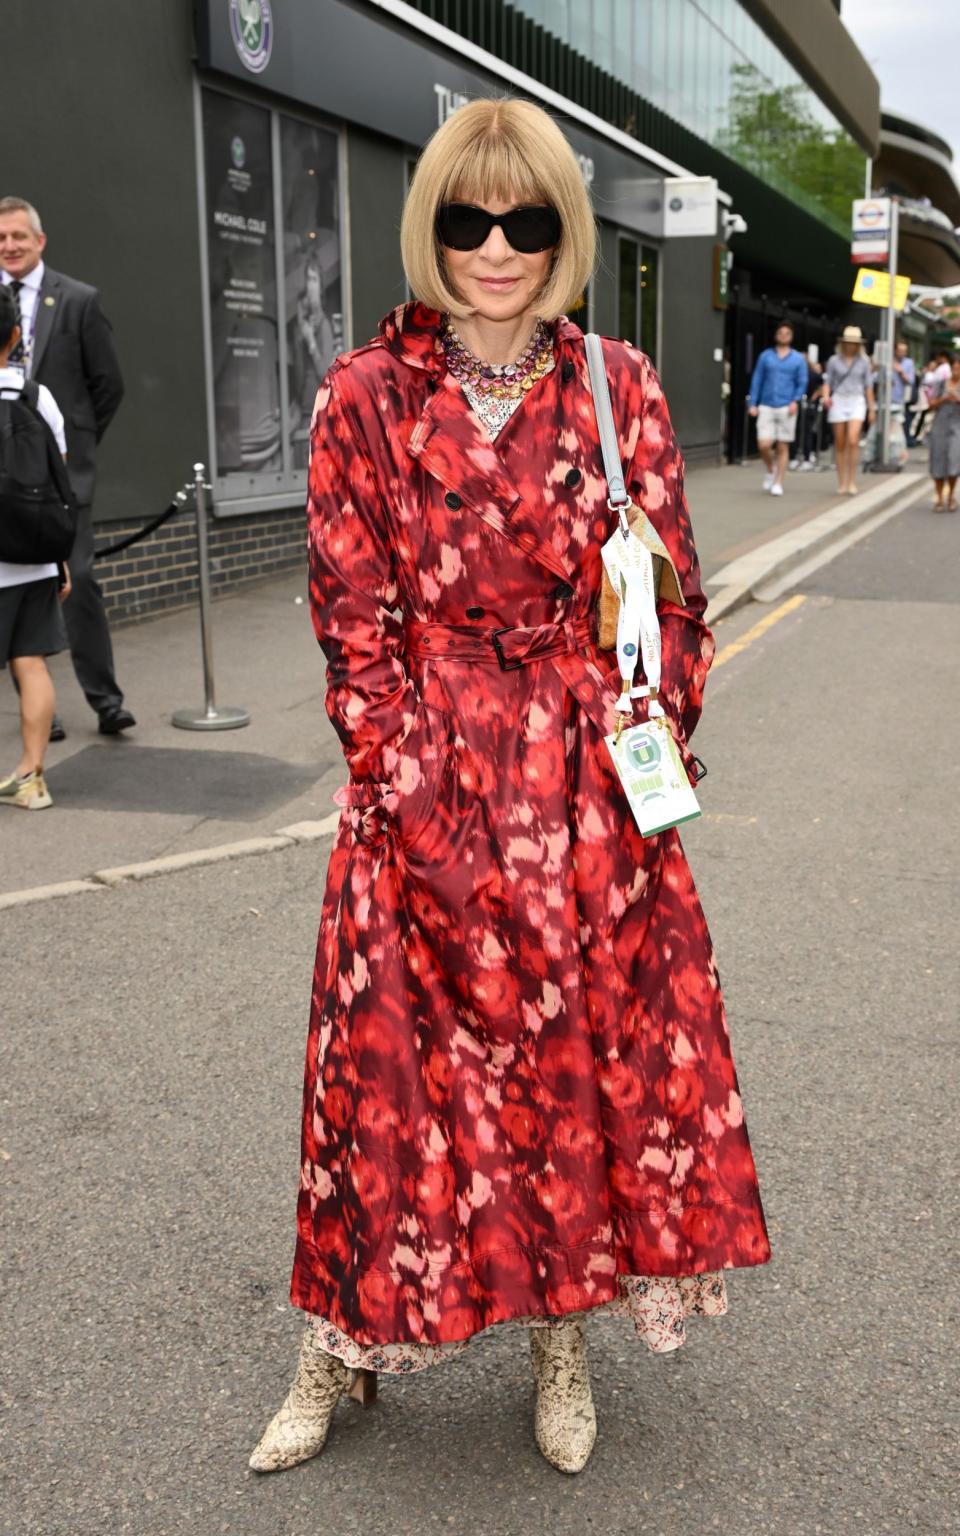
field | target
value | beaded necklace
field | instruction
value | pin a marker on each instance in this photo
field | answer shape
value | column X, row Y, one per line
column 493, row 390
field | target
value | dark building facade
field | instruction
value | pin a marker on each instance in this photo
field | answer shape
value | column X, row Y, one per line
column 231, row 176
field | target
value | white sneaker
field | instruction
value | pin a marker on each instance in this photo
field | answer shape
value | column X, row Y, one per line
column 795, row 464
column 776, row 490
column 28, row 791
column 768, row 482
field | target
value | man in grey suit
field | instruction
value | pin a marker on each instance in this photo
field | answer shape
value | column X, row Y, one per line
column 68, row 346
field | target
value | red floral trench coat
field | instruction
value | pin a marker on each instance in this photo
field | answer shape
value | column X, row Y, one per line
column 519, row 1080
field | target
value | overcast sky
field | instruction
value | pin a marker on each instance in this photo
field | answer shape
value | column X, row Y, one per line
column 912, row 46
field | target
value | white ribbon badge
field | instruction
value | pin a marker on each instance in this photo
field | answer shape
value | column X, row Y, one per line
column 629, row 565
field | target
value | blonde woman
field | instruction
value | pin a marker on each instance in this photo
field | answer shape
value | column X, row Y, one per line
column 520, row 1104
column 849, row 399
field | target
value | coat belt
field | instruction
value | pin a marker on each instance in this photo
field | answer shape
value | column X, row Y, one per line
column 506, row 648
column 564, row 642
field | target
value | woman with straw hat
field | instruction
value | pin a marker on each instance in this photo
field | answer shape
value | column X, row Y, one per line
column 848, row 396
column 520, row 1104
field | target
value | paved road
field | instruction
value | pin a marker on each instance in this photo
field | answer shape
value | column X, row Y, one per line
column 150, row 1083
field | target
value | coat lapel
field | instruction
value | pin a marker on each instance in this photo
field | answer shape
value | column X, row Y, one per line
column 449, row 442
column 48, row 300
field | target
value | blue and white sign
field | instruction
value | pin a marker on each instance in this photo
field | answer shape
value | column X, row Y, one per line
column 871, row 230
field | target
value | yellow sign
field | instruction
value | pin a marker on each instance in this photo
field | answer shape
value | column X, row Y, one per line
column 873, row 287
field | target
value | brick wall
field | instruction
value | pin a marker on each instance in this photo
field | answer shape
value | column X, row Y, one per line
column 160, row 572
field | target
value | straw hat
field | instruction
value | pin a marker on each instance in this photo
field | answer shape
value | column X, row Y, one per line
column 852, row 333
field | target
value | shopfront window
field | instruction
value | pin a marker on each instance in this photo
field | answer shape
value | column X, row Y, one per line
column 274, row 267
column 313, row 309
column 243, row 287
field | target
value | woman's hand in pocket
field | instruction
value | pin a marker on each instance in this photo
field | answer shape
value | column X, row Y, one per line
column 419, row 776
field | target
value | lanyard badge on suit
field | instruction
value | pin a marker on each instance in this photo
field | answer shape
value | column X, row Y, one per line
column 19, row 358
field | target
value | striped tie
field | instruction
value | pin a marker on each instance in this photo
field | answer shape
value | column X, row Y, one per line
column 18, row 354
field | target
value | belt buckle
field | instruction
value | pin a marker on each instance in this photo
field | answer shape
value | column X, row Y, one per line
column 504, row 664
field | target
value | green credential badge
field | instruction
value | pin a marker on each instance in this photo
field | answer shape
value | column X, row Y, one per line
column 650, row 768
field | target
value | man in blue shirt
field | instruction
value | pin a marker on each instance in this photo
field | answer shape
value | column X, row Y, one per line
column 902, row 387
column 779, row 383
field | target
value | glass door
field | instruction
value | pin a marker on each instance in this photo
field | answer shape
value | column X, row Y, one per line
column 628, row 271
column 638, row 295
column 650, row 301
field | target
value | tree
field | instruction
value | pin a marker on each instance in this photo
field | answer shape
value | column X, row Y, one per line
column 772, row 131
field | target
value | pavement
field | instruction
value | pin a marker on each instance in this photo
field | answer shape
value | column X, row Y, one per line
column 150, row 1073
column 164, row 794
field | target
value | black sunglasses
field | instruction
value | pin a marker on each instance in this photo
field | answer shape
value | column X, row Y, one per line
column 465, row 228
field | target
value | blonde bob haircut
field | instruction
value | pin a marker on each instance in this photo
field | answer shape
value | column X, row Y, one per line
column 503, row 150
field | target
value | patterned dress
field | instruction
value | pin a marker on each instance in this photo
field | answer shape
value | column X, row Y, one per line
column 519, row 1100
column 944, row 438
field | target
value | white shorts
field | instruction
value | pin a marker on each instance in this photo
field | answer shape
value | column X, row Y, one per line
column 848, row 408
column 776, row 424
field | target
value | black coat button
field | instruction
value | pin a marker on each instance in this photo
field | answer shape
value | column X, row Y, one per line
column 572, row 478
column 453, row 501
column 563, row 591
column 475, row 613
column 567, row 372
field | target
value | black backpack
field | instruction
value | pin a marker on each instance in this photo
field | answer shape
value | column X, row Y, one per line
column 38, row 515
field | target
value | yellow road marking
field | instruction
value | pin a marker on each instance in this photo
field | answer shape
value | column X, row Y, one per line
column 767, row 622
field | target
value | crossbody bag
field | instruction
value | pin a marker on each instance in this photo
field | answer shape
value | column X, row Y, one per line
column 645, row 755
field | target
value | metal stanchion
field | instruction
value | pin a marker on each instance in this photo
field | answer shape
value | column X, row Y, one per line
column 798, row 457
column 210, row 718
column 818, row 450
column 746, row 428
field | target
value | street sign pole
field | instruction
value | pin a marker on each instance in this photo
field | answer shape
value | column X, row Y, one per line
column 886, row 376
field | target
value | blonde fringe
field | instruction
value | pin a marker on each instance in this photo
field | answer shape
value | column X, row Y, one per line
column 503, row 150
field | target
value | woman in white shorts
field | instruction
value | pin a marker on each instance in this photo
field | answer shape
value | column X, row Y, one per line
column 848, row 396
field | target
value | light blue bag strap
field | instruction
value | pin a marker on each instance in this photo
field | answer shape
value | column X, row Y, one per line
column 617, row 494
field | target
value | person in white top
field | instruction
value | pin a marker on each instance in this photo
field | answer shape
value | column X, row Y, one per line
column 31, row 625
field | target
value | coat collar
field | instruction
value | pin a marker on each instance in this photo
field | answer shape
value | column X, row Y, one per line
column 449, row 441
column 411, row 332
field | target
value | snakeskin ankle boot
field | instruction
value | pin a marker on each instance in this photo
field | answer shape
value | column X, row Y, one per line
column 565, row 1424
column 299, row 1430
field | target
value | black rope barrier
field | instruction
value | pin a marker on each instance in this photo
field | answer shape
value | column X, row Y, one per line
column 176, row 505
column 210, row 717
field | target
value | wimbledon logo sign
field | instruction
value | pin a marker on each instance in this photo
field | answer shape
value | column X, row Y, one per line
column 251, row 27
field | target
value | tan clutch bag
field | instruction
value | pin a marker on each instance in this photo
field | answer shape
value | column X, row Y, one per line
column 664, row 576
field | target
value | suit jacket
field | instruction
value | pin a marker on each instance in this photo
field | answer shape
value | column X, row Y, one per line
column 73, row 355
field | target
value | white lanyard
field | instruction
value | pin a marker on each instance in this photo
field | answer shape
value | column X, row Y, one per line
column 627, row 560
column 629, row 565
